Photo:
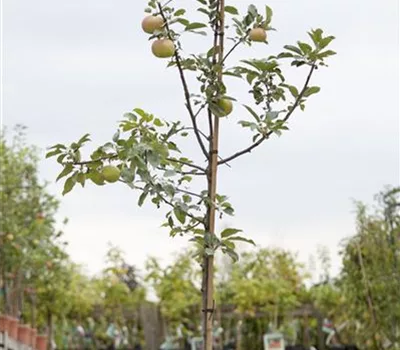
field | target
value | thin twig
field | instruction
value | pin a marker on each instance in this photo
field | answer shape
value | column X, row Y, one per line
column 192, row 172
column 167, row 3
column 200, row 109
column 201, row 133
column 111, row 157
column 185, row 87
column 233, row 48
column 265, row 136
column 190, row 165
column 166, row 201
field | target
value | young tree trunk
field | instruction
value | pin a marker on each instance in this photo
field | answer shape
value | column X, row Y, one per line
column 49, row 330
column 239, row 334
column 33, row 310
column 208, row 265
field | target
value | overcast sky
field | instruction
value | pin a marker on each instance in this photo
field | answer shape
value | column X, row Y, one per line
column 75, row 66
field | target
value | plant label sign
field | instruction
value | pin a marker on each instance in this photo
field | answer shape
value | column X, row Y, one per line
column 274, row 341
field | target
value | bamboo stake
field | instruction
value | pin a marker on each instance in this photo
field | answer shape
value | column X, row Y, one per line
column 208, row 296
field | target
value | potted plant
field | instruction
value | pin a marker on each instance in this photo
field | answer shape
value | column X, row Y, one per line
column 32, row 339
column 24, row 333
column 13, row 327
column 41, row 342
column 4, row 323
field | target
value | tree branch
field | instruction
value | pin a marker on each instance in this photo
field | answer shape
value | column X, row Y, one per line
column 201, row 133
column 166, row 201
column 285, row 118
column 194, row 166
column 112, row 156
column 233, row 48
column 185, row 87
column 192, row 172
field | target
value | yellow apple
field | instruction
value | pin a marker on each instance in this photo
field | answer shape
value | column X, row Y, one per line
column 152, row 23
column 10, row 236
column 163, row 48
column 226, row 106
column 111, row 173
column 258, row 34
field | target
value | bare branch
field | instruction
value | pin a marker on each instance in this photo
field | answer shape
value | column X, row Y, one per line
column 201, row 133
column 285, row 118
column 233, row 48
column 185, row 88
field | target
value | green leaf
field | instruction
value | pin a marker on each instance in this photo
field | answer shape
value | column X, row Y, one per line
column 186, row 198
column 228, row 244
column 305, row 48
column 140, row 111
column 232, row 10
column 200, row 32
column 81, row 179
column 251, row 76
column 297, row 63
column 326, row 41
column 204, row 11
column 83, row 139
column 229, row 232
column 285, row 55
column 252, row 10
column 251, row 111
column 130, row 116
column 183, row 21
column 293, row 48
column 316, row 36
column 179, row 12
column 242, row 239
column 228, row 210
column 311, row 90
column 293, row 90
column 53, row 153
column 325, row 54
column 195, row 25
column 61, row 157
column 67, row 169
column 58, row 145
column 268, row 14
column 69, row 184
column 142, row 198
column 180, row 215
column 158, row 122
column 234, row 256
column 96, row 178
column 115, row 137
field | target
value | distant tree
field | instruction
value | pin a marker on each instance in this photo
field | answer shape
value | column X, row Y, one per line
column 370, row 279
column 178, row 295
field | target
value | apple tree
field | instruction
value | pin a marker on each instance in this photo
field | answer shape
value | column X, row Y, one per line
column 370, row 278
column 147, row 153
column 26, row 217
